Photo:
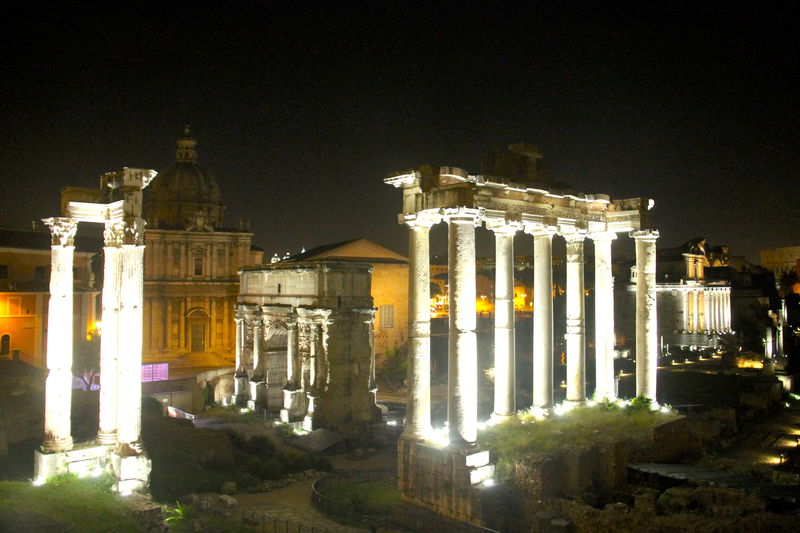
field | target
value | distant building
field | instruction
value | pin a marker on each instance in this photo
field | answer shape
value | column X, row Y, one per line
column 191, row 266
column 389, row 285
column 24, row 292
column 781, row 261
column 694, row 308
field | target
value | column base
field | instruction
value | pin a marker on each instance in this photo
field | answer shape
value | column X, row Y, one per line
column 86, row 459
column 132, row 472
column 293, row 406
column 496, row 418
column 57, row 445
column 571, row 404
column 107, row 438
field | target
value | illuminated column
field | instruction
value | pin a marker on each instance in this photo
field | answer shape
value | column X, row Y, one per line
column 58, row 386
column 543, row 320
column 109, row 340
column 418, row 405
column 576, row 335
column 685, row 306
column 258, row 377
column 292, row 391
column 462, row 380
column 504, row 379
column 727, row 314
column 646, row 313
column 129, row 385
column 706, row 309
column 240, row 375
column 603, row 316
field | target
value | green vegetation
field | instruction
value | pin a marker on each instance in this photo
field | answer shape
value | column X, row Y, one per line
column 525, row 436
column 63, row 504
column 393, row 371
column 367, row 497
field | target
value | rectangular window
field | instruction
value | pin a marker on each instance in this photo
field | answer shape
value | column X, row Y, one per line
column 386, row 312
column 3, row 271
column 155, row 372
column 198, row 266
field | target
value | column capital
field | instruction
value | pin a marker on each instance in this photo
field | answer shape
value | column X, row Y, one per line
column 501, row 226
column 645, row 234
column 538, row 230
column 62, row 230
column 422, row 219
column 602, row 236
column 114, row 234
column 470, row 215
column 574, row 238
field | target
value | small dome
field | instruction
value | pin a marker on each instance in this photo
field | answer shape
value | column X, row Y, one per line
column 184, row 192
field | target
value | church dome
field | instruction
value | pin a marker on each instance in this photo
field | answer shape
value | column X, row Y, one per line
column 184, row 195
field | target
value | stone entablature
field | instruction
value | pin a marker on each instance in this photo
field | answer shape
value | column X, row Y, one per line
column 305, row 339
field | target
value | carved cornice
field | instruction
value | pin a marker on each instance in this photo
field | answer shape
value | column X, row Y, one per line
column 62, row 230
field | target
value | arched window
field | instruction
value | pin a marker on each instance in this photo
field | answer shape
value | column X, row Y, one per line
column 5, row 344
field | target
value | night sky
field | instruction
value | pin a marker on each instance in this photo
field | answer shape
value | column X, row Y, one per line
column 301, row 109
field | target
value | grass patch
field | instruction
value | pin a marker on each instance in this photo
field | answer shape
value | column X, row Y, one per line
column 525, row 436
column 64, row 504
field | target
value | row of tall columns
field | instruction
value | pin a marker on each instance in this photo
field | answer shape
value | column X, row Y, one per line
column 707, row 309
column 462, row 347
column 121, row 342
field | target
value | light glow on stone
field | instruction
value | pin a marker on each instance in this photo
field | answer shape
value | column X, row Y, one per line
column 37, row 481
column 488, row 482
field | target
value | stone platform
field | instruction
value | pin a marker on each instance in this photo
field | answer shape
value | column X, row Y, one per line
column 447, row 480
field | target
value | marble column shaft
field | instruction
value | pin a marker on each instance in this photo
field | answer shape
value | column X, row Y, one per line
column 504, row 356
column 418, row 406
column 462, row 380
column 58, row 385
column 543, row 320
column 129, row 401
column 291, row 358
column 109, row 340
column 576, row 318
column 604, row 335
column 646, row 314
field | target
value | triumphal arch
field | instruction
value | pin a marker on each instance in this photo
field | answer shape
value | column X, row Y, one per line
column 464, row 201
column 117, row 204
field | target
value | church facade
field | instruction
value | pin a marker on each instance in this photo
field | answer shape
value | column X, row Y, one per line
column 191, row 265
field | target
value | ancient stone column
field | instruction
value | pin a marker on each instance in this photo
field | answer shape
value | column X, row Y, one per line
column 462, row 382
column 646, row 313
column 258, row 377
column 418, row 405
column 58, row 386
column 292, row 392
column 129, row 385
column 603, row 316
column 576, row 334
column 504, row 356
column 543, row 320
column 109, row 340
column 240, row 375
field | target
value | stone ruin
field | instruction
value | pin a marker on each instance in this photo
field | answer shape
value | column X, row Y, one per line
column 118, row 446
column 447, row 475
column 304, row 344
